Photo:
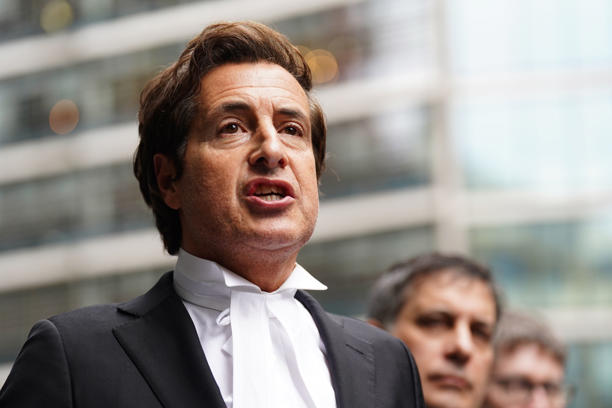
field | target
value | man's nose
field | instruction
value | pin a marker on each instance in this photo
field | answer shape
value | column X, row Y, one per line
column 460, row 345
column 269, row 150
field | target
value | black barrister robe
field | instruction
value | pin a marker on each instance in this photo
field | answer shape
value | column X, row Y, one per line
column 146, row 353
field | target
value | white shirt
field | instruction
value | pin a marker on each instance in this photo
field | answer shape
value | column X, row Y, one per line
column 292, row 370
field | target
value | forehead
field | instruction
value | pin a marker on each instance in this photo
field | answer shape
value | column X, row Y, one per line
column 454, row 293
column 530, row 360
column 254, row 81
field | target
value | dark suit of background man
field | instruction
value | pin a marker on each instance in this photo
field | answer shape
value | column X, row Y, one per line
column 231, row 148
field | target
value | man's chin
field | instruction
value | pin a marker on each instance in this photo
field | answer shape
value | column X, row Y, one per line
column 449, row 398
column 279, row 240
column 279, row 234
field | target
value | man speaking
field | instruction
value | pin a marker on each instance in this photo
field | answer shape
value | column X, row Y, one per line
column 231, row 149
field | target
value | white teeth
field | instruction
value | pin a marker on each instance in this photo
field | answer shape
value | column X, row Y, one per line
column 271, row 197
column 260, row 190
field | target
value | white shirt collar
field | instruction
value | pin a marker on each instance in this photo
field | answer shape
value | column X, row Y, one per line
column 209, row 284
column 244, row 332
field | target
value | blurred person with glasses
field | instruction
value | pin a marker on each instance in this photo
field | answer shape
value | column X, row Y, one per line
column 529, row 366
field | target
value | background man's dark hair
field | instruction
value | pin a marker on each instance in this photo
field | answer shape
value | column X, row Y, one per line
column 169, row 105
column 393, row 288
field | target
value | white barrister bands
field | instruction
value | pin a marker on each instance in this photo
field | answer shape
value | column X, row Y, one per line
column 263, row 348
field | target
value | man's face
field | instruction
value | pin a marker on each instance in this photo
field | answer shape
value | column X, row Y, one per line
column 447, row 323
column 249, row 183
column 526, row 377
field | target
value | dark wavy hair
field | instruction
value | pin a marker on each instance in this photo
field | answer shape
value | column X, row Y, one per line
column 169, row 104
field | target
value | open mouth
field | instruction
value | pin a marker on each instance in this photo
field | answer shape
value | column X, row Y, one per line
column 269, row 190
column 451, row 381
column 269, row 193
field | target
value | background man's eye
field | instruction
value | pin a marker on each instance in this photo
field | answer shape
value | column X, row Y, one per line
column 431, row 322
column 481, row 334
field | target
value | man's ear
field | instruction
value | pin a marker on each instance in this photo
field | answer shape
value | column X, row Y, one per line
column 375, row 322
column 165, row 173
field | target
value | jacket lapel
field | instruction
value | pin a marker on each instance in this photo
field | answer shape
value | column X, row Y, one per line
column 351, row 360
column 162, row 342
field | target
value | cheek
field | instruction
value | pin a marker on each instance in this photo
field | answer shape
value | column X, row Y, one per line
column 305, row 163
column 427, row 351
column 218, row 177
column 426, row 357
column 411, row 335
column 205, row 186
column 483, row 362
column 313, row 193
column 307, row 179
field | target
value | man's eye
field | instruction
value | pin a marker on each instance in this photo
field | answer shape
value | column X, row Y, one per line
column 230, row 128
column 292, row 130
column 552, row 388
column 431, row 322
column 482, row 333
column 517, row 385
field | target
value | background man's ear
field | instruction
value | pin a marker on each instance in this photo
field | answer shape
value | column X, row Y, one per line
column 165, row 173
column 375, row 322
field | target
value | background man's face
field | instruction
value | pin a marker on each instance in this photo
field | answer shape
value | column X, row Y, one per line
column 526, row 377
column 447, row 323
column 249, row 183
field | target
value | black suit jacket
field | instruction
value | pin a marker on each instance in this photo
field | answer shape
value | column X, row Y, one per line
column 146, row 353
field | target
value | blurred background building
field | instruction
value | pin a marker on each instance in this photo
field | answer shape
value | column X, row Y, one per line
column 482, row 127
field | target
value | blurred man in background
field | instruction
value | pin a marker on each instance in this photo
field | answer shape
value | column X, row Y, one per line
column 445, row 308
column 528, row 371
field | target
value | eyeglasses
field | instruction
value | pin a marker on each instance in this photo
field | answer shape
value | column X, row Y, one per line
column 520, row 390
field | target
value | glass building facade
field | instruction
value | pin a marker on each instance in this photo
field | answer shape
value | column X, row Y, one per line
column 476, row 127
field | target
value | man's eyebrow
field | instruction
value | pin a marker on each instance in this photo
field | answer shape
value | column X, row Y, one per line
column 429, row 312
column 232, row 107
column 293, row 113
column 243, row 106
column 480, row 322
